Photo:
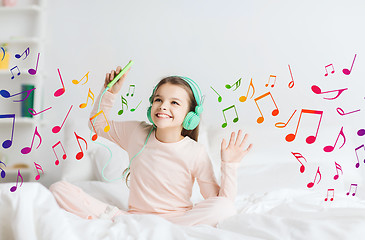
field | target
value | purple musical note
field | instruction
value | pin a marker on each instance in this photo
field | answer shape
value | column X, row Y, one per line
column 32, row 71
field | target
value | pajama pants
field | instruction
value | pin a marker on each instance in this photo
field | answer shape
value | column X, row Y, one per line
column 73, row 199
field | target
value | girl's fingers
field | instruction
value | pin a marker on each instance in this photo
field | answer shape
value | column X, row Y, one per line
column 118, row 69
column 244, row 140
column 231, row 140
column 239, row 138
column 223, row 144
column 249, row 148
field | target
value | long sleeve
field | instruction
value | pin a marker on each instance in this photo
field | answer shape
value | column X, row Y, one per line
column 228, row 186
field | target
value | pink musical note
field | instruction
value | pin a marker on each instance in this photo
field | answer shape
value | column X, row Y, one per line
column 26, row 52
column 311, row 184
column 346, row 71
column 11, row 71
column 106, row 128
column 281, row 124
column 89, row 95
column 333, row 194
column 80, row 154
column 244, row 98
column 333, row 69
column 361, row 132
column 33, row 112
column 291, row 84
column 4, row 93
column 3, row 173
column 87, row 79
column 272, row 85
column 357, row 156
column 32, row 71
column 38, row 167
column 352, row 185
column 56, row 129
column 310, row 139
column 342, row 112
column 7, row 143
column 64, row 156
column 338, row 167
column 62, row 90
column 219, row 96
column 330, row 148
column 224, row 115
column 14, row 188
column 298, row 156
column 27, row 150
column 274, row 112
column 317, row 90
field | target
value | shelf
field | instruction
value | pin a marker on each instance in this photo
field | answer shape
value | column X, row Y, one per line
column 21, row 40
column 34, row 8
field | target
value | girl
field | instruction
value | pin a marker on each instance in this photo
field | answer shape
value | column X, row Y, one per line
column 166, row 160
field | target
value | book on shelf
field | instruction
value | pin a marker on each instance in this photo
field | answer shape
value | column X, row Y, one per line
column 27, row 103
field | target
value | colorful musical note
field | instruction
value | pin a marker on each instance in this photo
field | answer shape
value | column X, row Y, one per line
column 106, row 128
column 281, row 124
column 124, row 102
column 87, row 79
column 338, row 167
column 357, row 156
column 346, row 71
column 89, row 95
column 244, row 98
column 14, row 188
column 333, row 69
column 3, row 53
column 56, row 129
column 64, row 156
column 80, row 154
column 3, row 173
column 224, row 115
column 317, row 90
column 38, row 167
column 27, row 150
column 352, row 185
column 311, row 184
column 33, row 112
column 342, row 112
column 333, row 194
column 11, row 71
column 133, row 88
column 310, row 139
column 291, row 84
column 361, row 132
column 32, row 71
column 26, row 52
column 330, row 148
column 62, row 90
column 275, row 112
column 219, row 96
column 272, row 85
column 7, row 143
column 134, row 109
column 4, row 93
column 236, row 85
column 298, row 156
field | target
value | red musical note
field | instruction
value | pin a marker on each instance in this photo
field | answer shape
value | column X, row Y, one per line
column 224, row 115
column 62, row 90
column 333, row 69
column 338, row 167
column 124, row 102
column 4, row 93
column 106, row 128
column 219, row 96
column 129, row 90
column 27, row 150
column 11, row 71
column 64, row 156
column 32, row 71
column 14, row 188
column 361, row 132
column 342, row 112
column 26, row 52
column 346, row 71
column 87, row 79
column 3, row 174
column 333, row 194
column 56, row 129
column 244, row 98
column 317, row 90
column 7, row 143
column 274, row 112
column 310, row 139
column 311, row 184
column 281, row 124
column 357, row 156
column 80, row 154
column 330, row 148
column 352, row 185
column 236, row 84
column 89, row 95
column 291, row 84
column 272, row 85
column 33, row 112
column 298, row 156
column 38, row 167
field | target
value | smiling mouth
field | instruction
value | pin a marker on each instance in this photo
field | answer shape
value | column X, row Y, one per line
column 163, row 115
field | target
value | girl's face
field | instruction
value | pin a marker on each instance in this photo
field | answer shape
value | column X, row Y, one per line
column 170, row 106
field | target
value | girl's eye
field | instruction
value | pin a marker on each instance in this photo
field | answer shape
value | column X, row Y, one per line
column 173, row 102
column 157, row 100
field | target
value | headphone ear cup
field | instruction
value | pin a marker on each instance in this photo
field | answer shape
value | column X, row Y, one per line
column 191, row 121
column 149, row 114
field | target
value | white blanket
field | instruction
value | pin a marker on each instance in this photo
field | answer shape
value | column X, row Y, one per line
column 32, row 213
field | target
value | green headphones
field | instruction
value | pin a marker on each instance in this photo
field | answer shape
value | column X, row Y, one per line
column 192, row 119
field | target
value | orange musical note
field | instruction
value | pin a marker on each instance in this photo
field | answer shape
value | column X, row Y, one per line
column 291, row 84
column 317, row 90
column 352, row 185
column 333, row 69
column 87, row 79
column 26, row 52
column 298, row 156
column 14, row 188
column 64, row 156
column 219, row 96
column 244, row 98
column 124, row 102
column 236, row 84
column 224, row 115
column 133, row 88
column 89, row 95
column 338, row 167
column 32, row 71
column 272, row 85
column 11, row 71
column 310, row 139
column 38, row 167
column 357, row 156
column 333, row 194
column 274, row 112
column 27, row 150
column 80, row 154
column 311, row 184
column 106, row 128
column 62, row 90
column 281, row 124
column 56, row 129
column 330, row 148
column 7, row 143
